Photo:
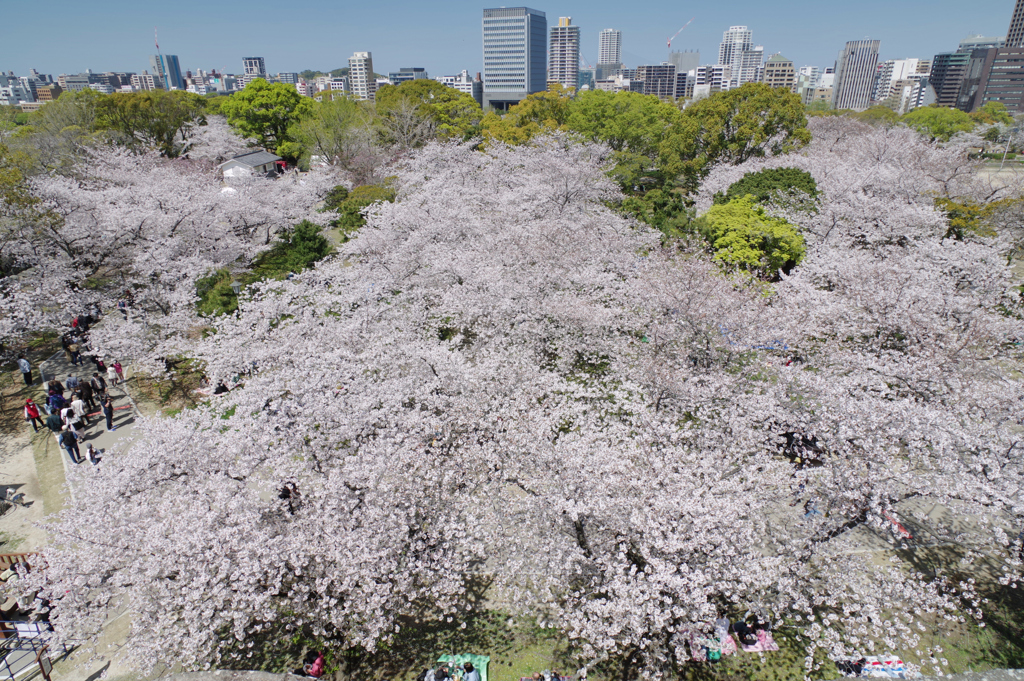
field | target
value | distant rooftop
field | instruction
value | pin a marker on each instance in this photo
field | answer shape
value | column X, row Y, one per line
column 255, row 158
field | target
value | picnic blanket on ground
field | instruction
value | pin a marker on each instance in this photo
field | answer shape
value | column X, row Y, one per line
column 885, row 667
column 479, row 662
column 765, row 643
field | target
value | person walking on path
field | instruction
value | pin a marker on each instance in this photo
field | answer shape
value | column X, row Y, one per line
column 26, row 369
column 85, row 390
column 72, row 383
column 55, row 386
column 79, row 407
column 99, row 384
column 69, row 442
column 108, row 413
column 32, row 415
column 112, row 375
column 120, row 373
column 76, row 354
column 54, row 423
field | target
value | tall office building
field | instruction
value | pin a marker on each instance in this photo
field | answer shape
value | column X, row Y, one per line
column 610, row 47
column 564, row 54
column 1015, row 36
column 360, row 75
column 255, row 67
column 515, row 54
column 856, row 69
column 165, row 67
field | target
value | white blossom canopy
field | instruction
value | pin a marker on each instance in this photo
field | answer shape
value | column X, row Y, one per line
column 502, row 379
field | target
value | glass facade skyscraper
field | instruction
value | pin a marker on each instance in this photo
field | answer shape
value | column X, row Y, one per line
column 515, row 54
column 166, row 67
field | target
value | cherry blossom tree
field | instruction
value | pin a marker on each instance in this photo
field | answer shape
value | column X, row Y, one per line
column 500, row 377
column 138, row 223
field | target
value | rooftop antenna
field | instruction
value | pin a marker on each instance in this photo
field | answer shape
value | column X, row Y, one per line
column 678, row 32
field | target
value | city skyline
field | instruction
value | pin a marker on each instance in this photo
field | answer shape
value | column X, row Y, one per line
column 448, row 41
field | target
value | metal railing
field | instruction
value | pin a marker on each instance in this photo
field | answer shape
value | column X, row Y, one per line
column 23, row 644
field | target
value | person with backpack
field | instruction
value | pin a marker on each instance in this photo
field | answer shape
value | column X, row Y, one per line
column 99, row 384
column 56, row 402
column 69, row 442
column 32, row 415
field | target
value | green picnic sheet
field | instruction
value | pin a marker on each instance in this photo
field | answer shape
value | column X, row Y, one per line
column 479, row 662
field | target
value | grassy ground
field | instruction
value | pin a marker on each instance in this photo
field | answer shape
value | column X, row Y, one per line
column 50, row 470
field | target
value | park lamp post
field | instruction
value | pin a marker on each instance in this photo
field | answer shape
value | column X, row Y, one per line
column 236, row 286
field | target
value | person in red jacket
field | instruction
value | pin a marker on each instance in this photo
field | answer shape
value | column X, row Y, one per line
column 32, row 414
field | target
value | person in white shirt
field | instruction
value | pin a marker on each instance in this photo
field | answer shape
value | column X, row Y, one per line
column 26, row 369
column 80, row 411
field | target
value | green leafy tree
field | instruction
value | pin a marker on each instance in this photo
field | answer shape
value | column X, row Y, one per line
column 877, row 115
column 350, row 210
column 539, row 113
column 295, row 250
column 732, row 127
column 266, row 111
column 770, row 184
column 335, row 129
column 215, row 103
column 819, row 108
column 742, row 234
column 938, row 123
column 991, row 113
column 455, row 114
column 623, row 120
column 157, row 119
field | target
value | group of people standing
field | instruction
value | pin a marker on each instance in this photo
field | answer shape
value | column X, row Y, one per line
column 67, row 416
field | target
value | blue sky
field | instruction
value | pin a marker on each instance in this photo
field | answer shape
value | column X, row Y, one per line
column 68, row 36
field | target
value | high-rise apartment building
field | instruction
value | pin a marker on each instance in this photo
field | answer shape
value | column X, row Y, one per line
column 609, row 47
column 255, row 67
column 893, row 70
column 564, row 54
column 166, row 68
column 780, row 72
column 288, row 77
column 360, row 75
column 948, row 72
column 1015, row 36
column 515, row 54
column 734, row 41
column 738, row 52
column 856, row 69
